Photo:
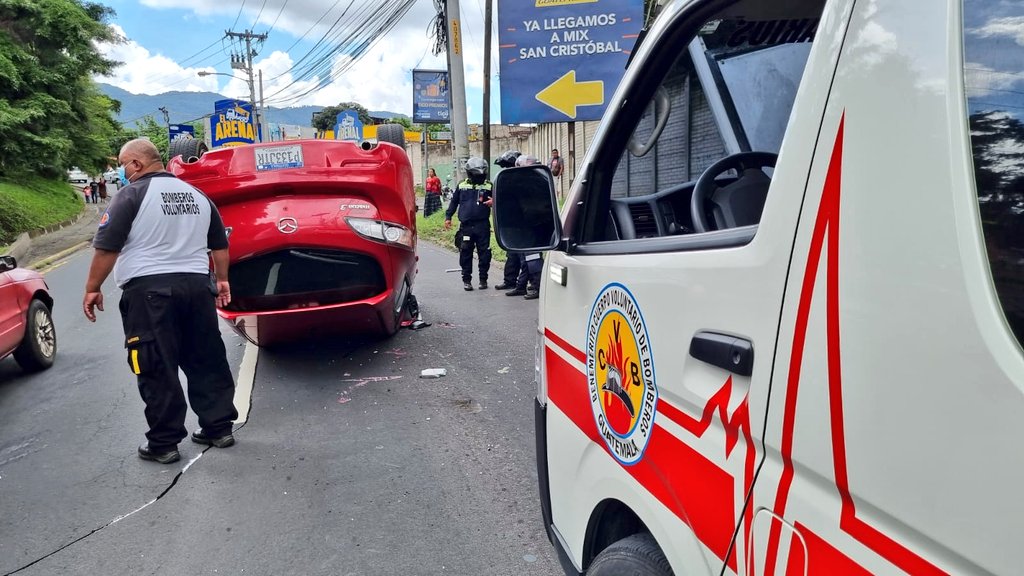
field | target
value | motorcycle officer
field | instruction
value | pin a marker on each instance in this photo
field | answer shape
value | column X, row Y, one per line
column 472, row 198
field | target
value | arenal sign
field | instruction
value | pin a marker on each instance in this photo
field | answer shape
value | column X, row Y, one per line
column 562, row 59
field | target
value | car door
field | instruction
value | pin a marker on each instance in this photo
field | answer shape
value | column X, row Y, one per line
column 12, row 316
column 675, row 329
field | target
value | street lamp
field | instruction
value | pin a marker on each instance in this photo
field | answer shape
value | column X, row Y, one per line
column 252, row 99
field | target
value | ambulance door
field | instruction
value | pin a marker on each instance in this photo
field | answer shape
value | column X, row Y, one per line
column 660, row 317
column 893, row 434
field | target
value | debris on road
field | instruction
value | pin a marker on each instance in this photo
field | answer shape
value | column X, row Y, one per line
column 433, row 373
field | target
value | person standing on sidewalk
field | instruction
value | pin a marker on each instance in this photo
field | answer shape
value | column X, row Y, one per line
column 156, row 236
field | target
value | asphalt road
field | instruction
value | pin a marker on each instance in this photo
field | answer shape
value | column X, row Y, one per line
column 348, row 462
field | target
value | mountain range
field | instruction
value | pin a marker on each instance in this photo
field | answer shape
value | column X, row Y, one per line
column 186, row 106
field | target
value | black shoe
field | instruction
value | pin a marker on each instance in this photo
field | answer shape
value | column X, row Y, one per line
column 504, row 286
column 467, row 286
column 162, row 457
column 483, row 284
column 532, row 295
column 220, row 442
column 516, row 292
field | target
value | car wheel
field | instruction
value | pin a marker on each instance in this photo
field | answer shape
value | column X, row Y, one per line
column 190, row 149
column 392, row 133
column 636, row 555
column 39, row 347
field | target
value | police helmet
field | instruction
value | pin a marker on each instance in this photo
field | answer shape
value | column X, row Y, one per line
column 476, row 170
column 508, row 159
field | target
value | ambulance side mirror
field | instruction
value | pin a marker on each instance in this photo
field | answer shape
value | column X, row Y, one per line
column 525, row 211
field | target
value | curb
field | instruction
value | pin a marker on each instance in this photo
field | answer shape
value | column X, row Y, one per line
column 45, row 262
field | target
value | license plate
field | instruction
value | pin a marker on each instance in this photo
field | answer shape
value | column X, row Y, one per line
column 279, row 157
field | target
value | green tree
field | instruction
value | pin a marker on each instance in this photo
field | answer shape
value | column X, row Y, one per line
column 328, row 117
column 51, row 115
column 150, row 129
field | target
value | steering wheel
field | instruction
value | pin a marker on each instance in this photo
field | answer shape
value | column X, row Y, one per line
column 737, row 204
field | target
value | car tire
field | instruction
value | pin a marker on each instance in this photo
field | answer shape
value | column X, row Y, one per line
column 39, row 346
column 637, row 555
column 392, row 134
column 190, row 149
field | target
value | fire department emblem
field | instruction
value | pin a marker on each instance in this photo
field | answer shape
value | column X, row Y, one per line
column 620, row 374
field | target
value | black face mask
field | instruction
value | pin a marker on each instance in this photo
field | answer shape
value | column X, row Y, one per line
column 477, row 178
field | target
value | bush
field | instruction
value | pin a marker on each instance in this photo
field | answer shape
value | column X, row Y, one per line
column 32, row 202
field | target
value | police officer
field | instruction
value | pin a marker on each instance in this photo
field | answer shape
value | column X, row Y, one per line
column 157, row 236
column 513, row 260
column 472, row 198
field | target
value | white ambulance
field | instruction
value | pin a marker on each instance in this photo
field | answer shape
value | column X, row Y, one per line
column 783, row 305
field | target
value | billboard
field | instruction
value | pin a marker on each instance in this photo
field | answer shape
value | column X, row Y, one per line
column 430, row 96
column 232, row 124
column 175, row 131
column 561, row 60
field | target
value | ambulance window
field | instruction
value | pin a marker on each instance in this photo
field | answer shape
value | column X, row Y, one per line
column 994, row 82
column 729, row 92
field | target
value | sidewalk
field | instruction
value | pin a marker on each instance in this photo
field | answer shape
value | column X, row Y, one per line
column 46, row 245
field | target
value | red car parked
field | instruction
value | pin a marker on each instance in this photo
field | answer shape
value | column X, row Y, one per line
column 322, row 234
column 26, row 323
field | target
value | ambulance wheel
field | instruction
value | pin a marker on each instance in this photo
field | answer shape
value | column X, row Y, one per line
column 39, row 347
column 392, row 134
column 638, row 554
column 190, row 149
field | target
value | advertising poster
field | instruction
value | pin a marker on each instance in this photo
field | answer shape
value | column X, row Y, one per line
column 430, row 96
column 232, row 124
column 561, row 60
column 348, row 126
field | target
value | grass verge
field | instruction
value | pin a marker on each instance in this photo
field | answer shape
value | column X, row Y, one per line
column 432, row 229
column 31, row 202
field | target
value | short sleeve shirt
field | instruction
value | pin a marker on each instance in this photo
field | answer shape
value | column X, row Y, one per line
column 160, row 225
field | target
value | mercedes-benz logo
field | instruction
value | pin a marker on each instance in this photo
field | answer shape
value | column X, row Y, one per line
column 287, row 225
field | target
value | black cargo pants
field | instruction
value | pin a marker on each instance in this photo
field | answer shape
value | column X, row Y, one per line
column 474, row 234
column 170, row 321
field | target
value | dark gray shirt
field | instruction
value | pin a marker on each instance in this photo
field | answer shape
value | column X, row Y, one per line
column 160, row 225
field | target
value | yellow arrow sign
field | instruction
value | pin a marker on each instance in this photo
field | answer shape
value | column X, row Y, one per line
column 566, row 94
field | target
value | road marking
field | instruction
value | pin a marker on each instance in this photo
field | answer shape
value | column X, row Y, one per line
column 243, row 387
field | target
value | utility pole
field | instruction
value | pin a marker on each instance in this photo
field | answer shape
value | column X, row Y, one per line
column 167, row 115
column 487, row 82
column 457, row 75
column 263, row 113
column 245, row 62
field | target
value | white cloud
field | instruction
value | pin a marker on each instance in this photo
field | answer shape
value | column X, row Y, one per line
column 1011, row 27
column 380, row 80
column 146, row 73
column 980, row 79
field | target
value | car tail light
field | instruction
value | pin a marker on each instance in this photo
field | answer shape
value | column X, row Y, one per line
column 380, row 231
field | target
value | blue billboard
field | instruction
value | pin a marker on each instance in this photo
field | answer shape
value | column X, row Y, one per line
column 430, row 96
column 561, row 60
column 175, row 131
column 348, row 126
column 232, row 124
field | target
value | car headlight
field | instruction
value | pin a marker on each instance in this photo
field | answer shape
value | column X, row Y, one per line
column 378, row 230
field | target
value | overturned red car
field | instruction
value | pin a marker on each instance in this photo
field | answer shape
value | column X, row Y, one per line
column 322, row 234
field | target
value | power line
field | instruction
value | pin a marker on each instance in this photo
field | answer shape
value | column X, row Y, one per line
column 233, row 24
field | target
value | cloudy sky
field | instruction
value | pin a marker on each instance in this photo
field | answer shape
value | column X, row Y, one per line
column 169, row 41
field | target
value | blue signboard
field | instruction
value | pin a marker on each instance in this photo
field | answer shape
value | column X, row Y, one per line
column 348, row 126
column 430, row 97
column 232, row 124
column 561, row 60
column 175, row 131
